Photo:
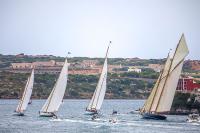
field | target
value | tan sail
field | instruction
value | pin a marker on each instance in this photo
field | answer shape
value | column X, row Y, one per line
column 152, row 100
column 168, row 93
column 161, row 83
column 162, row 95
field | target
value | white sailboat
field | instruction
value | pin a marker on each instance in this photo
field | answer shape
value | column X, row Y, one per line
column 23, row 103
column 162, row 95
column 54, row 100
column 98, row 96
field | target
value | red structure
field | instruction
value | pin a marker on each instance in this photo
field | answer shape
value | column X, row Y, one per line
column 187, row 84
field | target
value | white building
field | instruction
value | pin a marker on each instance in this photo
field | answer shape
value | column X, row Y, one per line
column 133, row 69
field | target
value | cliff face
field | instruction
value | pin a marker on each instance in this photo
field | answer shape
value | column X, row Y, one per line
column 185, row 103
column 192, row 65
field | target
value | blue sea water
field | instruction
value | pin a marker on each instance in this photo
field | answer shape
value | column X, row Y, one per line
column 72, row 119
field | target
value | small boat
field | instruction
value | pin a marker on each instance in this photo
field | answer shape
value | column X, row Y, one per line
column 23, row 103
column 99, row 94
column 161, row 97
column 114, row 112
column 55, row 98
column 193, row 118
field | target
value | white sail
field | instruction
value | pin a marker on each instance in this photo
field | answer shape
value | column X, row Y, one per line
column 23, row 103
column 55, row 98
column 162, row 95
column 98, row 96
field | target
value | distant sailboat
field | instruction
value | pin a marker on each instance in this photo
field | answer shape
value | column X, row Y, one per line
column 98, row 96
column 23, row 103
column 54, row 100
column 162, row 95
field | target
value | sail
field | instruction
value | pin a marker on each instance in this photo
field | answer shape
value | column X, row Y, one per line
column 55, row 98
column 98, row 96
column 161, row 84
column 23, row 103
column 152, row 100
column 162, row 95
column 149, row 101
column 167, row 96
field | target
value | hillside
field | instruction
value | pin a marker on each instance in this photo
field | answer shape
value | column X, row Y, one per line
column 79, row 86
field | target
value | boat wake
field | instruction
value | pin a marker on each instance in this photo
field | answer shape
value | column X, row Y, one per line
column 105, row 122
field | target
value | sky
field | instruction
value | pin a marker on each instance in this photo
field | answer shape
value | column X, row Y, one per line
column 137, row 28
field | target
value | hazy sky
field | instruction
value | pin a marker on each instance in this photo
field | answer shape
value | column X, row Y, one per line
column 137, row 28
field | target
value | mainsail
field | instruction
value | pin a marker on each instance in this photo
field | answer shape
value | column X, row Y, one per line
column 23, row 103
column 162, row 95
column 98, row 96
column 55, row 98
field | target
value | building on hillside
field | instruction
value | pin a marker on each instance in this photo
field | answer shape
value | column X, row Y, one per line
column 85, row 71
column 21, row 55
column 51, row 67
column 156, row 67
column 89, row 63
column 110, row 67
column 37, row 64
column 187, row 84
column 134, row 69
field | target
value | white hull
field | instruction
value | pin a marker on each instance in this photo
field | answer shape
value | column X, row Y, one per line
column 193, row 121
column 193, row 118
column 46, row 114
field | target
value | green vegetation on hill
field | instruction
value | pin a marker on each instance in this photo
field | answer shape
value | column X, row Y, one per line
column 79, row 86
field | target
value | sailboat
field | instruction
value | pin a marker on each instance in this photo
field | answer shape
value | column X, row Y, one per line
column 55, row 98
column 160, row 100
column 98, row 96
column 23, row 103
